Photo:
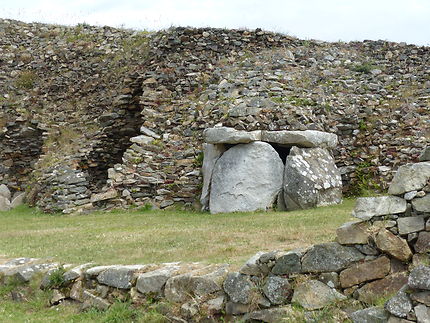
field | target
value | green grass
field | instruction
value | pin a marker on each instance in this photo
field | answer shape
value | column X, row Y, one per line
column 134, row 237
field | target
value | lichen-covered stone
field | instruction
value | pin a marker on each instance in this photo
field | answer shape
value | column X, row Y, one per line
column 313, row 295
column 277, row 290
column 311, row 179
column 329, row 256
column 400, row 304
column 246, row 178
column 419, row 278
column 239, row 288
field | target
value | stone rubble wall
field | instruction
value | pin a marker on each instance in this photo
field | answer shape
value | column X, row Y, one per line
column 90, row 89
column 384, row 253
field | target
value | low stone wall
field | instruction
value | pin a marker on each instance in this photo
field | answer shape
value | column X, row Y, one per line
column 370, row 259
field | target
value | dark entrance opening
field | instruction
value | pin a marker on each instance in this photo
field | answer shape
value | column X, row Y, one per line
column 283, row 151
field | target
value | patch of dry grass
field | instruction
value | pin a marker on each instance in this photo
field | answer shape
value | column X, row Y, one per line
column 131, row 237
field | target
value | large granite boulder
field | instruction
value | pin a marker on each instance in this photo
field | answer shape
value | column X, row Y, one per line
column 246, row 178
column 410, row 177
column 311, row 179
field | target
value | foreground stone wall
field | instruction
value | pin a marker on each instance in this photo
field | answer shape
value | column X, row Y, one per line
column 384, row 253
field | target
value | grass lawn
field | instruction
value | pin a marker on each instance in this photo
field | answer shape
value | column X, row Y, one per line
column 138, row 236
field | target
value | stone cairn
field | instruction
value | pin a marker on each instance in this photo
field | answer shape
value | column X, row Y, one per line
column 249, row 171
column 384, row 253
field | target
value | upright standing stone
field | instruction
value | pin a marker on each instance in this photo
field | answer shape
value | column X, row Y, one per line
column 4, row 191
column 311, row 179
column 211, row 153
column 246, row 178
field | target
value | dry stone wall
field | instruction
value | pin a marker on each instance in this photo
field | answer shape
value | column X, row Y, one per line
column 385, row 254
column 90, row 89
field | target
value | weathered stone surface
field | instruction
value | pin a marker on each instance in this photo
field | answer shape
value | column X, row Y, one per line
column 393, row 245
column 252, row 266
column 313, row 295
column 311, row 179
column 410, row 224
column 353, row 233
column 366, row 271
column 4, row 204
column 148, row 132
column 425, row 154
column 422, row 313
column 419, row 278
column 196, row 284
column 422, row 204
column 270, row 315
column 5, row 192
column 277, row 290
column 330, row 279
column 410, row 177
column 17, row 200
column 400, row 304
column 304, row 139
column 422, row 245
column 329, row 256
column 368, row 207
column 246, row 178
column 288, row 263
column 422, row 297
column 374, row 314
column 110, row 194
column 94, row 301
column 142, row 140
column 75, row 272
column 225, row 135
column 395, row 319
column 119, row 276
column 382, row 288
column 153, row 282
column 238, row 287
column 76, row 292
column 211, row 153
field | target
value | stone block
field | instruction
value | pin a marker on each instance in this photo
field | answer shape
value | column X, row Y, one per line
column 393, row 245
column 410, row 224
column 353, row 233
column 303, row 139
column 313, row 295
column 329, row 257
column 368, row 207
column 225, row 135
column 410, row 177
column 366, row 271
column 246, row 178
